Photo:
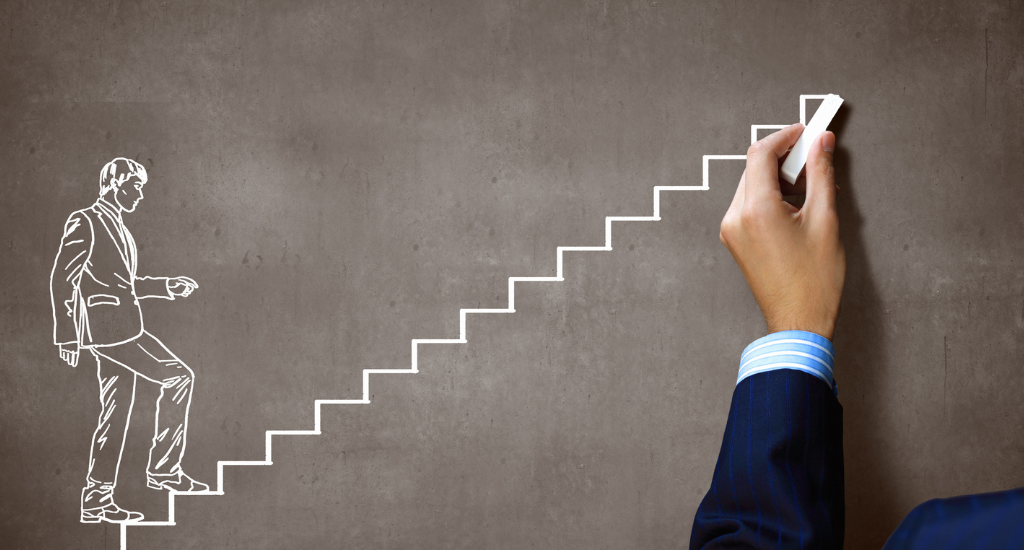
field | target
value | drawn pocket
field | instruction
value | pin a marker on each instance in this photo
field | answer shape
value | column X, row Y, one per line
column 103, row 299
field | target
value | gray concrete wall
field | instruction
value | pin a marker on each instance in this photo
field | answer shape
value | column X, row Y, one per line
column 342, row 177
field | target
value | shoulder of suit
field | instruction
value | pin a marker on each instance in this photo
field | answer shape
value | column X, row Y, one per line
column 75, row 219
column 91, row 209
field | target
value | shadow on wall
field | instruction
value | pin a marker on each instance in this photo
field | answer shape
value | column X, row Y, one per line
column 871, row 514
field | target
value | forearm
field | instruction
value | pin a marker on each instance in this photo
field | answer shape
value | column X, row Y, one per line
column 152, row 287
column 778, row 481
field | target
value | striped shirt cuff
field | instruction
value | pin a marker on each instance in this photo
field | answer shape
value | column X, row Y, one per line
column 790, row 349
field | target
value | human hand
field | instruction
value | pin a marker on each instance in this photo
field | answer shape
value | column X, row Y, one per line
column 791, row 257
column 69, row 353
column 181, row 286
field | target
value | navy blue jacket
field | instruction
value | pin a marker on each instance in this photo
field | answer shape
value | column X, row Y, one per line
column 779, row 478
column 778, row 482
column 986, row 521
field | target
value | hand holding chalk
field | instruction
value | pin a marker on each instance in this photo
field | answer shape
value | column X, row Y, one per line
column 791, row 257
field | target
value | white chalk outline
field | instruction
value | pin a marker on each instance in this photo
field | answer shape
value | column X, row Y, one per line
column 803, row 117
column 416, row 342
column 803, row 105
column 121, row 185
column 414, row 367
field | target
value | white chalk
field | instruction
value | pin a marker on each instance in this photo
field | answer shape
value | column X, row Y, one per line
column 797, row 158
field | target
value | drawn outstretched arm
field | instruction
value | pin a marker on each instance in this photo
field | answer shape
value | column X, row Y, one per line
column 153, row 287
column 164, row 287
column 72, row 259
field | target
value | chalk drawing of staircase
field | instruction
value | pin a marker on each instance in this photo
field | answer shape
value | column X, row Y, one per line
column 413, row 368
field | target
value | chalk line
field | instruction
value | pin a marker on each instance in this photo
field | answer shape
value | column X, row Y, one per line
column 415, row 343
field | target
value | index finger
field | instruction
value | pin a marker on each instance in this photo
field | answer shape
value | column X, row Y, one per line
column 763, row 161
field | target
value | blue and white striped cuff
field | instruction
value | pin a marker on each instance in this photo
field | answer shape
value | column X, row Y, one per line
column 790, row 349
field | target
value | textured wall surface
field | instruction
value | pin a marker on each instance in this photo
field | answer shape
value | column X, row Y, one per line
column 342, row 177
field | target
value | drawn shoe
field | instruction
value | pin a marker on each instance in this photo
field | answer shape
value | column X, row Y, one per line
column 181, row 483
column 110, row 513
column 98, row 505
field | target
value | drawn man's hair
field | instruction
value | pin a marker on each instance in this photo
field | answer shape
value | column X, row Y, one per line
column 119, row 171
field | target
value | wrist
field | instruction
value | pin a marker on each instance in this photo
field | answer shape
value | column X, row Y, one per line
column 823, row 329
column 820, row 320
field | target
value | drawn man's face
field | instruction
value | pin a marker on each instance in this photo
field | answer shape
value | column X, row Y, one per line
column 129, row 194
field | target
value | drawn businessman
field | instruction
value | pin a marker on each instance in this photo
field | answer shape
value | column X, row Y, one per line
column 95, row 293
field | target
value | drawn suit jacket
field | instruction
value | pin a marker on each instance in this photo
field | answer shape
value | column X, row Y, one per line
column 94, row 289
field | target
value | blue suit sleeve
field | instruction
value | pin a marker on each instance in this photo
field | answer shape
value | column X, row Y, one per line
column 778, row 482
column 985, row 521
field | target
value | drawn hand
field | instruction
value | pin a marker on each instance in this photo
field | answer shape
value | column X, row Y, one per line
column 181, row 286
column 791, row 257
column 69, row 354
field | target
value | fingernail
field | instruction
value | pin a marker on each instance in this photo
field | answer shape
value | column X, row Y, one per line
column 828, row 141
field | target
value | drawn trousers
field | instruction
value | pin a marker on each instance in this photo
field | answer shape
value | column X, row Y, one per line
column 118, row 367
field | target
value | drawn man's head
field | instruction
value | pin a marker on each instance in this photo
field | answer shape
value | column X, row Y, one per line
column 121, row 182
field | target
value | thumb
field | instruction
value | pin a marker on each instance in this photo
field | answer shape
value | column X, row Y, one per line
column 821, row 179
